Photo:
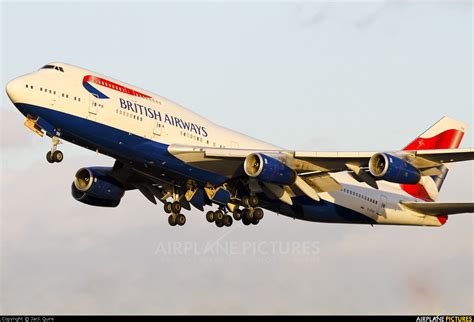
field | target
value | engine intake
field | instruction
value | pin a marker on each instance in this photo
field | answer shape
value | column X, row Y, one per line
column 268, row 169
column 93, row 187
column 391, row 168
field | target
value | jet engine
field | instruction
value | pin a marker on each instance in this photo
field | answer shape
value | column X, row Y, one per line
column 93, row 187
column 268, row 169
column 393, row 169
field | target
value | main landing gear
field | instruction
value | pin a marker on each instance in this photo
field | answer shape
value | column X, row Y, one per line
column 175, row 218
column 251, row 214
column 54, row 155
column 248, row 215
column 220, row 218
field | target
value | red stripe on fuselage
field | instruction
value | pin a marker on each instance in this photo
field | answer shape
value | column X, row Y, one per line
column 112, row 85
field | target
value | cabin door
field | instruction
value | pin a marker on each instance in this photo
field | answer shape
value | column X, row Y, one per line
column 382, row 205
column 93, row 107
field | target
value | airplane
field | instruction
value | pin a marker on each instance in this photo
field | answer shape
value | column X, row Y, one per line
column 182, row 160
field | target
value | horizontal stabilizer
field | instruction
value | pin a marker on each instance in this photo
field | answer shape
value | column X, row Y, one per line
column 439, row 208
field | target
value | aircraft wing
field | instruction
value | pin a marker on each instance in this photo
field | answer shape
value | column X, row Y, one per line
column 313, row 169
column 439, row 208
column 227, row 161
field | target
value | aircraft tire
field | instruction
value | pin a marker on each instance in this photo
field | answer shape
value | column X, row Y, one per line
column 247, row 213
column 245, row 201
column 49, row 157
column 218, row 215
column 253, row 201
column 237, row 214
column 167, row 207
column 228, row 221
column 181, row 219
column 210, row 216
column 172, row 220
column 258, row 213
column 176, row 207
column 57, row 156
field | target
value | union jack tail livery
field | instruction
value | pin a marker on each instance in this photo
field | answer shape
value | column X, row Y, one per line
column 447, row 133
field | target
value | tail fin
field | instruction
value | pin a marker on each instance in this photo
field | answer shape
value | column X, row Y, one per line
column 444, row 134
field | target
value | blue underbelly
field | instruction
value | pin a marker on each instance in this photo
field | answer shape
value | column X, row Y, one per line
column 117, row 143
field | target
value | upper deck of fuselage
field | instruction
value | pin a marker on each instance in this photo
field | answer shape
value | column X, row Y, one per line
column 71, row 79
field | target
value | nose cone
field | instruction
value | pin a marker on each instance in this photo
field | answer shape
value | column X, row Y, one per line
column 14, row 89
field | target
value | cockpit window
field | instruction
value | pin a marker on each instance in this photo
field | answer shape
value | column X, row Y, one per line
column 58, row 68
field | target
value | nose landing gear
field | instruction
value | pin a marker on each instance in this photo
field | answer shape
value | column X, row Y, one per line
column 54, row 155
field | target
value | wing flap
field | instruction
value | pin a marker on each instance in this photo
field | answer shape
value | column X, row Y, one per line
column 322, row 182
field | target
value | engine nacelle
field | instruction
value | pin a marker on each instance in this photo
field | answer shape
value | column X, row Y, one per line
column 393, row 169
column 91, row 186
column 268, row 169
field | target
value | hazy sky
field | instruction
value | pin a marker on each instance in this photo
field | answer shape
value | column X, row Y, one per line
column 313, row 76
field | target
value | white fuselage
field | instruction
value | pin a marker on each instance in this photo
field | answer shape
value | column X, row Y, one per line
column 155, row 118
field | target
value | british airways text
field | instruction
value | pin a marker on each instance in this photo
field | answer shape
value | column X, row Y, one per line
column 165, row 118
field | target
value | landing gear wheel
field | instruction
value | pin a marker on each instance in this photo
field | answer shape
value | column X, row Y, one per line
column 258, row 213
column 210, row 216
column 57, row 156
column 253, row 201
column 245, row 201
column 245, row 221
column 176, row 207
column 49, row 157
column 247, row 213
column 255, row 221
column 172, row 220
column 228, row 221
column 181, row 219
column 54, row 155
column 219, row 215
column 237, row 214
column 219, row 223
column 167, row 207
